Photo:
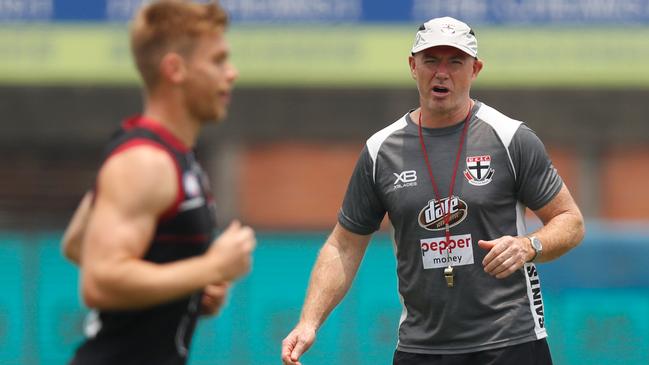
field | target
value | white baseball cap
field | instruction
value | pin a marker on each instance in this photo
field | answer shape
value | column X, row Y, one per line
column 446, row 31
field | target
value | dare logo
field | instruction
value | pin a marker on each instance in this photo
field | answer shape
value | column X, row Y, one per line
column 432, row 215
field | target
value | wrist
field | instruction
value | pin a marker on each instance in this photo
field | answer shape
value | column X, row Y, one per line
column 310, row 325
column 530, row 254
column 535, row 248
column 212, row 267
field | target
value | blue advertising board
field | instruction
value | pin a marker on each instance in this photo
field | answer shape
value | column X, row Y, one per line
column 353, row 11
column 596, row 301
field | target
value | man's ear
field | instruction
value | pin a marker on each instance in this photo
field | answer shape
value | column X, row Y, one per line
column 173, row 68
column 412, row 63
column 477, row 67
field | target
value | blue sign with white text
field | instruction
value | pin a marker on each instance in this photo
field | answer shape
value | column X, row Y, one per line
column 567, row 12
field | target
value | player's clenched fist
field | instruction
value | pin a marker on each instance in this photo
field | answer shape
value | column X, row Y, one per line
column 232, row 251
column 297, row 343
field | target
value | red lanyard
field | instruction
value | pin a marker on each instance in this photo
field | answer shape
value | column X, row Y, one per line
column 447, row 214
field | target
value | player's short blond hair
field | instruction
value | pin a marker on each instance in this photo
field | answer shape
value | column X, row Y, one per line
column 170, row 26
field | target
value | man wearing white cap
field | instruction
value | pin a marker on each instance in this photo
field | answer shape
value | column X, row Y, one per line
column 454, row 177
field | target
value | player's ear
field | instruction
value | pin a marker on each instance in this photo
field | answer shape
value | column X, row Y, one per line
column 412, row 62
column 477, row 67
column 173, row 68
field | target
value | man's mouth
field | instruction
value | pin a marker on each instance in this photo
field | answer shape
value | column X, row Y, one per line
column 225, row 96
column 440, row 89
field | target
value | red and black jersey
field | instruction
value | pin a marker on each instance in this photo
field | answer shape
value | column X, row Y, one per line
column 159, row 334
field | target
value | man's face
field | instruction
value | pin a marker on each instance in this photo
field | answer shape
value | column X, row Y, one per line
column 210, row 77
column 444, row 75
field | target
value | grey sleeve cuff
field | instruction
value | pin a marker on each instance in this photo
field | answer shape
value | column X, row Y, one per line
column 353, row 226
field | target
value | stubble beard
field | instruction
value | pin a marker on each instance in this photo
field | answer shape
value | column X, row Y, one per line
column 205, row 111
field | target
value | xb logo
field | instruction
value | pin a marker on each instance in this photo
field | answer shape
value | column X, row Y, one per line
column 405, row 176
column 405, row 179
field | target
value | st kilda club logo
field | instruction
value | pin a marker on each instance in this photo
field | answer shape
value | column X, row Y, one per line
column 478, row 170
column 431, row 216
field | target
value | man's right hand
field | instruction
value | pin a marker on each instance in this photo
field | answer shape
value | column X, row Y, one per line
column 232, row 251
column 297, row 343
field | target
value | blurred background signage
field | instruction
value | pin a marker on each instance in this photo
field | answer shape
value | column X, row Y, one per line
column 353, row 11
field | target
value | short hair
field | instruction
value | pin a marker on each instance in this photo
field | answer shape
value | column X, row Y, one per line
column 170, row 26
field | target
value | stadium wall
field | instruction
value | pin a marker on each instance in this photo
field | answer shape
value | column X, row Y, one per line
column 595, row 298
column 283, row 157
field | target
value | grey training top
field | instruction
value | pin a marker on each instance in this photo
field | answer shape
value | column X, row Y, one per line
column 503, row 168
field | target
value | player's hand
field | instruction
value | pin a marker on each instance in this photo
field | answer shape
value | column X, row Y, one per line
column 297, row 343
column 232, row 251
column 214, row 296
column 506, row 255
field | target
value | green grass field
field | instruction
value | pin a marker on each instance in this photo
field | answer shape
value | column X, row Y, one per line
column 338, row 55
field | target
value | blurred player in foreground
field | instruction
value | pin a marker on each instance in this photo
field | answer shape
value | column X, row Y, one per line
column 144, row 237
column 454, row 176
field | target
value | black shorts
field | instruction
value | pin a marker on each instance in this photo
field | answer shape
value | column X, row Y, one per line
column 528, row 353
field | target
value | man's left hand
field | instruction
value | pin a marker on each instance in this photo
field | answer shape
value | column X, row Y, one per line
column 213, row 298
column 506, row 255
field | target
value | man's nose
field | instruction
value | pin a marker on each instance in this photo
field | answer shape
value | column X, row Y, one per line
column 442, row 71
column 233, row 72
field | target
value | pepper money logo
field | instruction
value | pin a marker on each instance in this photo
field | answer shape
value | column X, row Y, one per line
column 431, row 216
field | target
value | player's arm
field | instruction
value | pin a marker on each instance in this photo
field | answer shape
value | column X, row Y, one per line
column 73, row 236
column 331, row 278
column 134, row 188
column 563, row 229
